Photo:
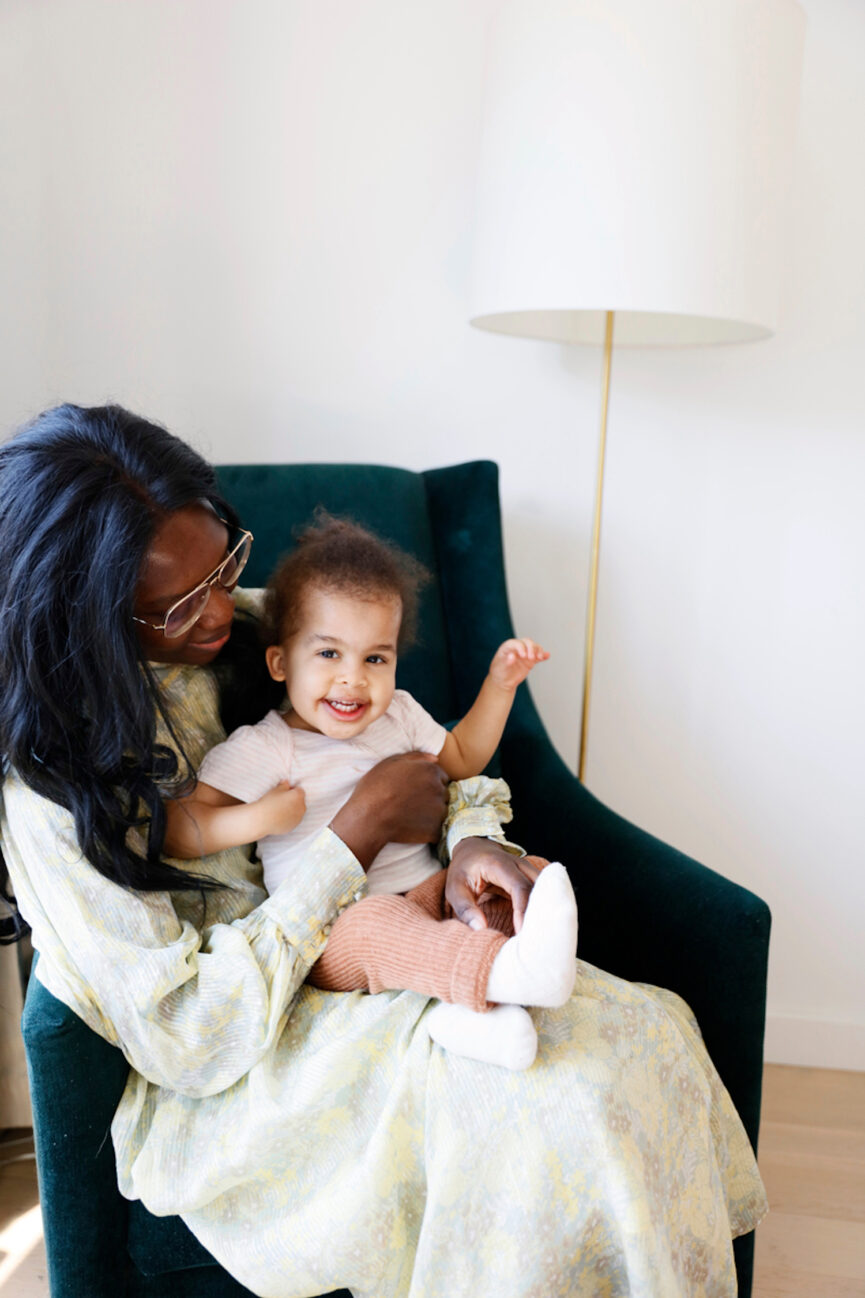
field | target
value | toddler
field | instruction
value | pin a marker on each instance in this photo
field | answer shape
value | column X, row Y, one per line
column 337, row 609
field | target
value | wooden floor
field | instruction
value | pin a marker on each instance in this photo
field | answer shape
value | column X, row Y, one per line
column 812, row 1154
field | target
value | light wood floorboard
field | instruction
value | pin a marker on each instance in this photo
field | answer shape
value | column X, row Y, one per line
column 812, row 1155
column 23, row 1272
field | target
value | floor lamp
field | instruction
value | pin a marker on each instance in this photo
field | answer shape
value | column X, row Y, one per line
column 634, row 169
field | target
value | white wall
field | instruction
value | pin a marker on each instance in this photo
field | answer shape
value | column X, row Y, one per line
column 252, row 221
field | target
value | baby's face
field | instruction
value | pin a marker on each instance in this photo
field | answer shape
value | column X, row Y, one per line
column 339, row 667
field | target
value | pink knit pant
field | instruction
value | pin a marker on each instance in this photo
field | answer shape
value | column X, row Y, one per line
column 410, row 942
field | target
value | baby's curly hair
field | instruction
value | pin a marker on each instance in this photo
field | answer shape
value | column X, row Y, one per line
column 337, row 554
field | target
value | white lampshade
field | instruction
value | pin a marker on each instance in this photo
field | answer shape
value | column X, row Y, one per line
column 636, row 158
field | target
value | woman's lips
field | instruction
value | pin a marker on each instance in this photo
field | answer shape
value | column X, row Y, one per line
column 215, row 642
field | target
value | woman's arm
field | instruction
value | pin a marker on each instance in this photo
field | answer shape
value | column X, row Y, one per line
column 196, row 990
column 193, row 989
column 404, row 799
column 212, row 821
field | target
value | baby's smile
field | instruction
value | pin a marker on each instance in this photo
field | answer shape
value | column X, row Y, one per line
column 339, row 666
column 347, row 709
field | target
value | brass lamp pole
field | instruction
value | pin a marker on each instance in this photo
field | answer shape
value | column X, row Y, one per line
column 596, row 546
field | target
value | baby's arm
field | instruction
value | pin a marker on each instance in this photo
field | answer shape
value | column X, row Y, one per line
column 211, row 821
column 472, row 742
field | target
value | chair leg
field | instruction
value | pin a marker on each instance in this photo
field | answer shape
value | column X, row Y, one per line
column 743, row 1251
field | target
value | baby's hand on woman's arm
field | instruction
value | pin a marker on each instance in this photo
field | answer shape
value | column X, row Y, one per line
column 281, row 809
column 513, row 661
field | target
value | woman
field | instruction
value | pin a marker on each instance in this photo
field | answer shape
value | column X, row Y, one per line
column 310, row 1140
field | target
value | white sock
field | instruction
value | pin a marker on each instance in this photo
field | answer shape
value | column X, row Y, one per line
column 505, row 1035
column 538, row 966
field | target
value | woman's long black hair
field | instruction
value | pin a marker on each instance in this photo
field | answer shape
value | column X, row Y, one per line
column 82, row 492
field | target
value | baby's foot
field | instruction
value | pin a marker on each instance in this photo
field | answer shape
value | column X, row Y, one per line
column 505, row 1035
column 538, row 966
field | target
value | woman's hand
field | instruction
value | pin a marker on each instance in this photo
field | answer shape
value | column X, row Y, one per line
column 481, row 869
column 401, row 800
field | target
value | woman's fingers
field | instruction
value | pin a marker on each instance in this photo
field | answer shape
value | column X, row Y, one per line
column 479, row 866
column 531, row 866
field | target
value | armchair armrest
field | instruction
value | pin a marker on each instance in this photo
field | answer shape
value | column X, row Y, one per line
column 76, row 1080
column 648, row 913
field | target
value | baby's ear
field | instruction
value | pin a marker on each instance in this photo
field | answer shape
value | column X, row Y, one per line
column 275, row 659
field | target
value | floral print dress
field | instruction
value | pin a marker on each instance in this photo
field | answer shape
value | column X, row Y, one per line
column 314, row 1140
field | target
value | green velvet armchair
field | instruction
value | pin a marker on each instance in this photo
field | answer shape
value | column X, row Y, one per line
column 646, row 912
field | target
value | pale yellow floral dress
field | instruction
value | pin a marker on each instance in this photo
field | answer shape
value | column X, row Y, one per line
column 313, row 1140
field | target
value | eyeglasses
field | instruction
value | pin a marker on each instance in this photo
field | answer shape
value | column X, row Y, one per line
column 188, row 609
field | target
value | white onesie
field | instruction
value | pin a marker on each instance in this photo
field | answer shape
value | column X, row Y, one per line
column 255, row 758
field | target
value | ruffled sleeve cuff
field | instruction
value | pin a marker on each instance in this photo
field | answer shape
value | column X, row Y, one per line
column 477, row 808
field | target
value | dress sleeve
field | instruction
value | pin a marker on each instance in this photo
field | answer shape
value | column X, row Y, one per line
column 193, row 989
column 249, row 599
column 477, row 808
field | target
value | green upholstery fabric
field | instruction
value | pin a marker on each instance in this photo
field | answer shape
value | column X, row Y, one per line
column 646, row 911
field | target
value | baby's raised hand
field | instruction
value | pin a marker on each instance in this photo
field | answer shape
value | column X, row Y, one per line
column 514, row 660
column 281, row 809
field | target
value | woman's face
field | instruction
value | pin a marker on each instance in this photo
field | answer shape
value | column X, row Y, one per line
column 187, row 548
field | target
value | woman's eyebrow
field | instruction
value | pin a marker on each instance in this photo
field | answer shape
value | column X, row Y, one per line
column 168, row 600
